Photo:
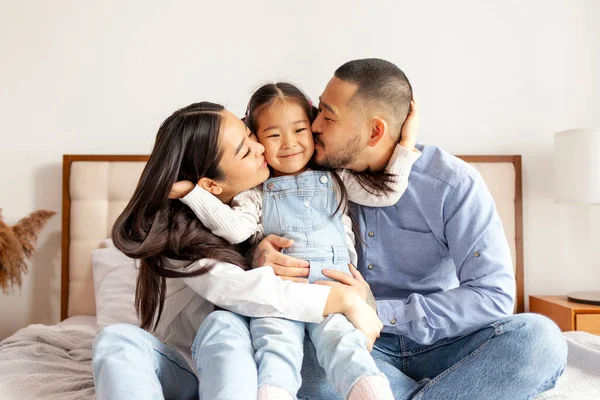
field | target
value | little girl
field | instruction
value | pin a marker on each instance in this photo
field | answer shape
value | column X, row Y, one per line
column 309, row 207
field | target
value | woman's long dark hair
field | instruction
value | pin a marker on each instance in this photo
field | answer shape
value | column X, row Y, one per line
column 152, row 226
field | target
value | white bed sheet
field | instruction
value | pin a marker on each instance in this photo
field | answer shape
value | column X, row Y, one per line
column 49, row 362
column 581, row 379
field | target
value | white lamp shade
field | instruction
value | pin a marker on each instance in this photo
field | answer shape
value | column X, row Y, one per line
column 577, row 165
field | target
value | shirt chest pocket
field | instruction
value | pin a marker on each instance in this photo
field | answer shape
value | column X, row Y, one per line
column 415, row 253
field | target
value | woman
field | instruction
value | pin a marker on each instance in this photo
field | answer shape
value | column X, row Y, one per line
column 202, row 143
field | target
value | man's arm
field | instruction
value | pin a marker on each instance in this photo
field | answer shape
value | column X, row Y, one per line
column 478, row 246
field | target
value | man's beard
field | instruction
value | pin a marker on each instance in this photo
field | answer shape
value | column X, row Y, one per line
column 343, row 157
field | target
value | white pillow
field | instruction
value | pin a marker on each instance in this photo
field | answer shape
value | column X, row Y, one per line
column 115, row 275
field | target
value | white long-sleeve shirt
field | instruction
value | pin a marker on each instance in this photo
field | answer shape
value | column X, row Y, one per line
column 254, row 293
column 243, row 219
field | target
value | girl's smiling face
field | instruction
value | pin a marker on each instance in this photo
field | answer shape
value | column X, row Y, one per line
column 284, row 131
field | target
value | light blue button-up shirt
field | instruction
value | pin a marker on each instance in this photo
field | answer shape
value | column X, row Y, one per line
column 438, row 261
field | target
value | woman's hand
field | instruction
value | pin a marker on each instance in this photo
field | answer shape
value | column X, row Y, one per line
column 181, row 189
column 364, row 318
column 268, row 252
column 408, row 137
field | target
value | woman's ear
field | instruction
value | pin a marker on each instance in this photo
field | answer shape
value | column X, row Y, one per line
column 210, row 186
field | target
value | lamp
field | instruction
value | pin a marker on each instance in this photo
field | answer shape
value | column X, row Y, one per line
column 577, row 178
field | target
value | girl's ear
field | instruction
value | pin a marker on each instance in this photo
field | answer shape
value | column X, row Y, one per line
column 210, row 186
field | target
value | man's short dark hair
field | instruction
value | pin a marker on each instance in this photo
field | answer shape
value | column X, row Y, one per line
column 382, row 85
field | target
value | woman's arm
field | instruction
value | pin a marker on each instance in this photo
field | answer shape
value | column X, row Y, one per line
column 260, row 293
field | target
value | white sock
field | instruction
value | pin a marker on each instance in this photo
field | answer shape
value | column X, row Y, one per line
column 270, row 392
column 371, row 388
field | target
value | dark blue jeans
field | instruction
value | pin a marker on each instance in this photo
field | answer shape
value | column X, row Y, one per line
column 514, row 358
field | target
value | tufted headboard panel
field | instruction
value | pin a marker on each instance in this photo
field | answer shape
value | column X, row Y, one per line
column 96, row 189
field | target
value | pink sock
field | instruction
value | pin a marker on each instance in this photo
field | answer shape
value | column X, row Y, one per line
column 371, row 388
column 270, row 392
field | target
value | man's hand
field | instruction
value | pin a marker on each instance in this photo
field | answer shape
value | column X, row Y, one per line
column 181, row 189
column 408, row 137
column 355, row 282
column 268, row 252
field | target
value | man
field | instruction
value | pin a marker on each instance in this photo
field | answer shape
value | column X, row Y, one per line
column 437, row 263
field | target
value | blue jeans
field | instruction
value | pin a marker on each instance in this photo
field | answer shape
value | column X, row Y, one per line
column 514, row 358
column 130, row 363
column 341, row 350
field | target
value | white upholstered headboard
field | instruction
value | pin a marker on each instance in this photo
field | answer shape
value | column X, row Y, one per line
column 96, row 188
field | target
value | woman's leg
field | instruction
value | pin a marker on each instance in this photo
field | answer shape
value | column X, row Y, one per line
column 279, row 347
column 224, row 358
column 342, row 352
column 130, row 363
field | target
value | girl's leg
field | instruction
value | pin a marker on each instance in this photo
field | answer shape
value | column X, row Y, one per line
column 130, row 363
column 224, row 358
column 342, row 352
column 279, row 346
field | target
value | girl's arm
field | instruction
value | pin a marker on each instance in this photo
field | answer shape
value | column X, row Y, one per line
column 400, row 165
column 234, row 224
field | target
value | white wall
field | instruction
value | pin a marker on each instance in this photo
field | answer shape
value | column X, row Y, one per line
column 491, row 78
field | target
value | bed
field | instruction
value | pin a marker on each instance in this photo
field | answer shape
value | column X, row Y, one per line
column 54, row 362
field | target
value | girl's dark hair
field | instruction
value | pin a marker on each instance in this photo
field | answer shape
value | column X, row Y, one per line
column 152, row 226
column 269, row 93
column 265, row 96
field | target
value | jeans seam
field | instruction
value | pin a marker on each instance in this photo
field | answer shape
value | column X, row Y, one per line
column 173, row 361
column 403, row 354
column 158, row 393
column 435, row 380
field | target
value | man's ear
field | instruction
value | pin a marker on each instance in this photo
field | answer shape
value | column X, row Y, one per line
column 378, row 130
column 210, row 186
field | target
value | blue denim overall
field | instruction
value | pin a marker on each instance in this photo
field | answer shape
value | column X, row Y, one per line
column 302, row 208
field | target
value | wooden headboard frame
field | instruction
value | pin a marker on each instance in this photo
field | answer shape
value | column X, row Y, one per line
column 66, row 215
column 516, row 161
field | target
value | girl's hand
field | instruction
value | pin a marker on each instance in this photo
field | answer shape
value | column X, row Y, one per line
column 181, row 189
column 408, row 137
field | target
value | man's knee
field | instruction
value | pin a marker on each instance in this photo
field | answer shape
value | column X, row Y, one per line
column 538, row 338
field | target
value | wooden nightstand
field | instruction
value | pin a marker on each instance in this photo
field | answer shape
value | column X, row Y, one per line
column 568, row 315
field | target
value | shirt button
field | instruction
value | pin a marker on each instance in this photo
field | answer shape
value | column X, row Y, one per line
column 370, row 266
column 477, row 254
column 323, row 179
column 306, row 203
column 393, row 321
column 371, row 234
column 270, row 186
